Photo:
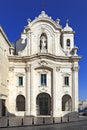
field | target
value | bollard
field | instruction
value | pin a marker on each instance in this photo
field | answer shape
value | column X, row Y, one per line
column 32, row 121
column 61, row 120
column 68, row 119
column 7, row 122
column 53, row 120
column 22, row 123
column 43, row 120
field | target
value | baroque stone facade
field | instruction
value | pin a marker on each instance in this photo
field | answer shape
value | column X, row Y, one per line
column 42, row 74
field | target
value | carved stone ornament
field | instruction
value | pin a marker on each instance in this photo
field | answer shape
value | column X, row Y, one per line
column 11, row 68
column 43, row 63
column 43, row 14
column 29, row 21
column 43, row 89
column 58, row 21
column 58, row 68
column 75, row 68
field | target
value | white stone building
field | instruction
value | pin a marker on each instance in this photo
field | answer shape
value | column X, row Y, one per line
column 43, row 74
column 5, row 51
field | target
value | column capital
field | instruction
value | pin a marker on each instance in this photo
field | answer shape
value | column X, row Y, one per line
column 11, row 68
column 75, row 68
column 58, row 68
column 27, row 68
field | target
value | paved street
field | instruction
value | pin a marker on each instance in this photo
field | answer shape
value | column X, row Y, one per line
column 80, row 125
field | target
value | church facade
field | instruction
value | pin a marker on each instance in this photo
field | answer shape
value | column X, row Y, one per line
column 42, row 70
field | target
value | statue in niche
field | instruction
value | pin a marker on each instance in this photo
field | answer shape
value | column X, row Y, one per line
column 43, row 43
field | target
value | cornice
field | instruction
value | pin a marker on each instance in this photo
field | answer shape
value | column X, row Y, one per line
column 68, row 32
column 37, row 56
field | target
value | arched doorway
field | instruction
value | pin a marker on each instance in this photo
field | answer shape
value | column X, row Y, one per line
column 66, row 103
column 43, row 102
column 20, row 103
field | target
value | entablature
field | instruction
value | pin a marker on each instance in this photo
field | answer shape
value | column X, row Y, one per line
column 37, row 56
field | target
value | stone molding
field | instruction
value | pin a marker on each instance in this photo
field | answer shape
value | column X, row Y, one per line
column 19, row 74
column 45, row 55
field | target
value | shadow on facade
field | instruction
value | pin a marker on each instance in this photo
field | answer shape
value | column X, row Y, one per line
column 11, row 120
column 71, row 116
column 20, row 45
column 3, row 109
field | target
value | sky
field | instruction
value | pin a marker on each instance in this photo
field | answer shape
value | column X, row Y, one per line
column 14, row 15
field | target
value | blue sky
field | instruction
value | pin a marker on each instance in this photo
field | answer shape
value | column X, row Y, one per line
column 14, row 15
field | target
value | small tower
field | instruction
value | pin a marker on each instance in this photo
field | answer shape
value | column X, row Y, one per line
column 67, row 38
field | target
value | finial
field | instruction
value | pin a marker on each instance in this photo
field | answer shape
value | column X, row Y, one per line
column 24, row 31
column 29, row 21
column 67, row 21
column 57, row 21
column 42, row 12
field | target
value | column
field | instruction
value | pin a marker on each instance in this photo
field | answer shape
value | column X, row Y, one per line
column 27, row 68
column 75, row 88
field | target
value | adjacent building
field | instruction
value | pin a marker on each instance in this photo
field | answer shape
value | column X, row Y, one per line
column 82, row 104
column 41, row 72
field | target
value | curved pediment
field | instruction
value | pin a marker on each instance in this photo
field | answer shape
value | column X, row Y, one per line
column 44, row 35
column 43, row 17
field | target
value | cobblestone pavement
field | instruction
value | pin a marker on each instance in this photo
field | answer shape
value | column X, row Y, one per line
column 79, row 125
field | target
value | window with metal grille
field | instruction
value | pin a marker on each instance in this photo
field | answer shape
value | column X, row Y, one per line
column 43, row 79
column 20, row 80
column 66, row 80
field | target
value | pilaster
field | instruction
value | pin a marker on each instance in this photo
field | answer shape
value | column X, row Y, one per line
column 54, row 93
column 32, row 94
column 75, row 88
column 29, row 43
column 27, row 69
column 58, row 90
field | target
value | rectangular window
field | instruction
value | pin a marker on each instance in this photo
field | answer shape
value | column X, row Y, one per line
column 20, row 80
column 43, row 79
column 66, row 81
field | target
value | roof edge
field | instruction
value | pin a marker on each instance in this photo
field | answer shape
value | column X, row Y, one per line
column 4, row 35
